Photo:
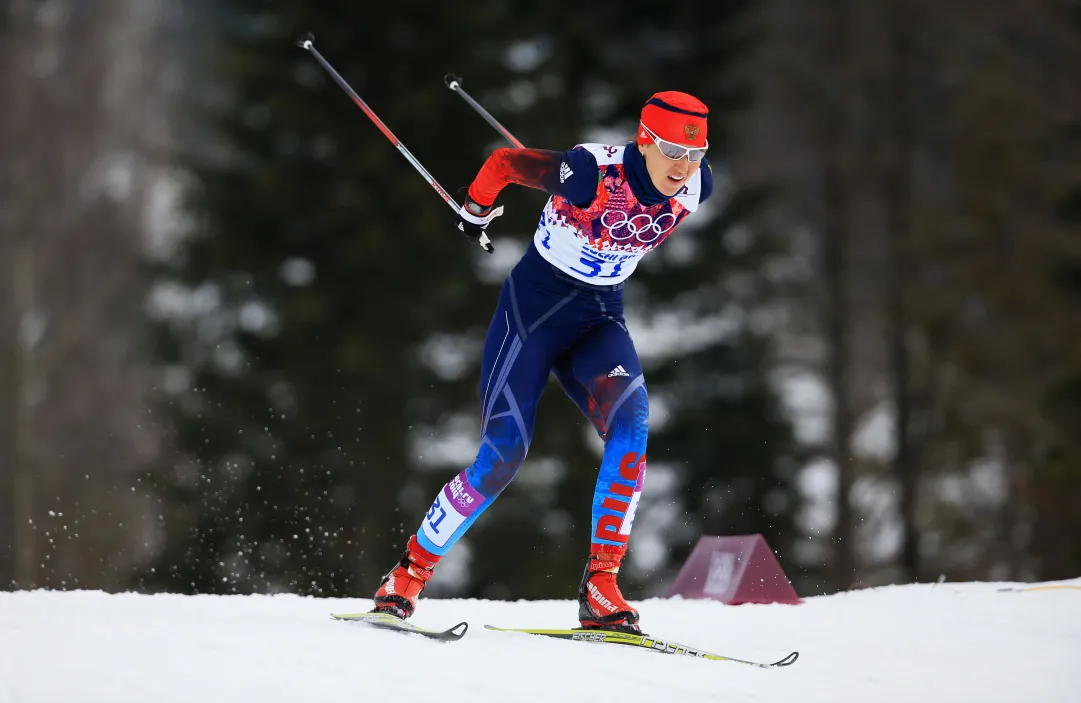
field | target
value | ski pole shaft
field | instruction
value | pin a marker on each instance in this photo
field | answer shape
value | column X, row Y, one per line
column 455, row 83
column 307, row 42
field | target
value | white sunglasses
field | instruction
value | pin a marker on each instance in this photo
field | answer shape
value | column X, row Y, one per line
column 674, row 151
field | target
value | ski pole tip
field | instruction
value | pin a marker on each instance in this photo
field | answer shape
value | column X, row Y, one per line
column 452, row 81
column 305, row 41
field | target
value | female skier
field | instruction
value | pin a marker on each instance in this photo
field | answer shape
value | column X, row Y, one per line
column 561, row 311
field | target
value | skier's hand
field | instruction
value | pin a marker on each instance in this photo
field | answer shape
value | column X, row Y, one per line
column 473, row 218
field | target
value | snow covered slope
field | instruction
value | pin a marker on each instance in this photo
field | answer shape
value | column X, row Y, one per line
column 950, row 642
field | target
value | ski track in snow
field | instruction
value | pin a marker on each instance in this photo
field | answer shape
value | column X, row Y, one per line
column 917, row 643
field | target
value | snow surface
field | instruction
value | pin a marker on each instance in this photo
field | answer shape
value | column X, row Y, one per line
column 946, row 642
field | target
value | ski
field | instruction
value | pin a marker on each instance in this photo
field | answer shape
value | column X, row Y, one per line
column 653, row 644
column 386, row 621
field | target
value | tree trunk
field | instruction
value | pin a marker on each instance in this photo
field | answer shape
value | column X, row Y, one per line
column 898, row 204
column 8, row 413
column 24, row 402
column 15, row 83
column 836, row 271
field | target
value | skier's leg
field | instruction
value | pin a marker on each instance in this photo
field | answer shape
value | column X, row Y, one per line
column 603, row 375
column 517, row 358
column 514, row 372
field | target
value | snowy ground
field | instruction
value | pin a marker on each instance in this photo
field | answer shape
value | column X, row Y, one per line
column 950, row 642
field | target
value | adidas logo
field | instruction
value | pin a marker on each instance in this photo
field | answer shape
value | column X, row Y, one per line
column 618, row 371
column 565, row 172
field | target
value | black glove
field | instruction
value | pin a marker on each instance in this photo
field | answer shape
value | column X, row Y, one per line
column 473, row 218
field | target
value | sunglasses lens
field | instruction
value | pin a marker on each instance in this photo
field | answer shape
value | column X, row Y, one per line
column 672, row 151
column 695, row 154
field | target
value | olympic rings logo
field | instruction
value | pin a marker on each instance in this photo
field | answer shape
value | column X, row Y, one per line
column 623, row 229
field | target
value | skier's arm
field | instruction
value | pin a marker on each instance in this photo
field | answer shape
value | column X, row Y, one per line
column 571, row 174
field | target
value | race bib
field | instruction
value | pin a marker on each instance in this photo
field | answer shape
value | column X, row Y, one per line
column 453, row 506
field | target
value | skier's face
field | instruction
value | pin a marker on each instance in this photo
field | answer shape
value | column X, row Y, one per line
column 667, row 175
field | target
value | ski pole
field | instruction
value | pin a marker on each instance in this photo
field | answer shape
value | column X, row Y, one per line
column 455, row 83
column 307, row 42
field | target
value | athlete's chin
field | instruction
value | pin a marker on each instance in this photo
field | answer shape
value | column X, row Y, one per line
column 669, row 187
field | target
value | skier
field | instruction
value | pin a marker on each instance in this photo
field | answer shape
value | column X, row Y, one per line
column 560, row 311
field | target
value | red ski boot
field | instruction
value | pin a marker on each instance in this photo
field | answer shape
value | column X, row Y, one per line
column 399, row 590
column 600, row 604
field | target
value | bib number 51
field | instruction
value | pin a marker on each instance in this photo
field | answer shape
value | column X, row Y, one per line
column 436, row 515
column 596, row 267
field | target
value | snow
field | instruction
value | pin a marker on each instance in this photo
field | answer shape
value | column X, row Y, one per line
column 944, row 642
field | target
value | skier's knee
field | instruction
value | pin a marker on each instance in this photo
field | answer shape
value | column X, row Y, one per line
column 631, row 416
column 496, row 465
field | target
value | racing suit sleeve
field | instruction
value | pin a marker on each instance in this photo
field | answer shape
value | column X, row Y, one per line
column 571, row 174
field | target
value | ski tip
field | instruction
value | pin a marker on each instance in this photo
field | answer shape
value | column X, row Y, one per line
column 787, row 661
column 454, row 630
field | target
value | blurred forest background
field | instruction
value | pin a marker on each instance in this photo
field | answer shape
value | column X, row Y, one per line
column 240, row 336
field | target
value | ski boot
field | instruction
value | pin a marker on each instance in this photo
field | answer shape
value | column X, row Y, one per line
column 399, row 589
column 600, row 604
